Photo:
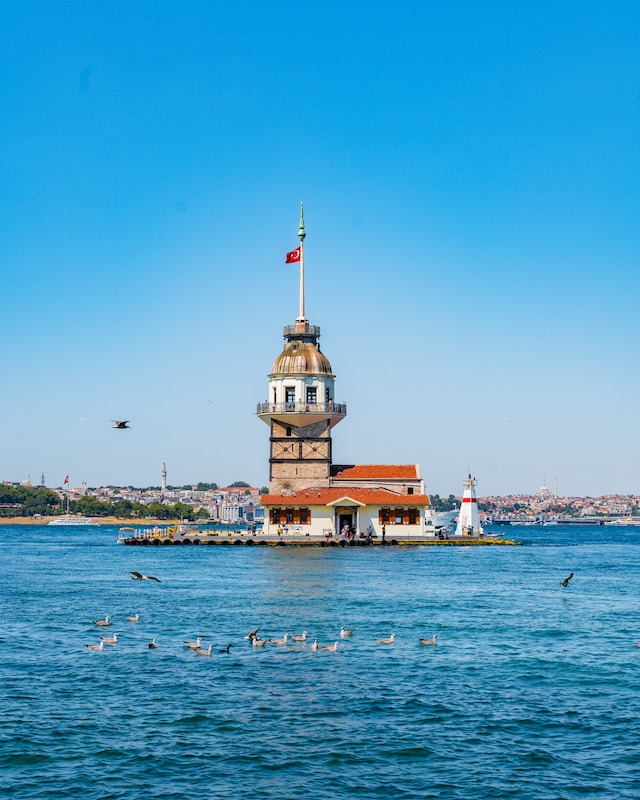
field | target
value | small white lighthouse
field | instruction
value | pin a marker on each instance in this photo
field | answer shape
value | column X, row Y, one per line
column 164, row 477
column 469, row 518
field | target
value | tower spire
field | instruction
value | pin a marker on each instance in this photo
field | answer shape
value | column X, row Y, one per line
column 301, row 235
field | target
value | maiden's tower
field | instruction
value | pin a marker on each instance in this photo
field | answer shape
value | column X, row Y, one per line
column 308, row 494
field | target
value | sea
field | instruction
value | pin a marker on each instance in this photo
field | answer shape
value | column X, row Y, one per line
column 532, row 690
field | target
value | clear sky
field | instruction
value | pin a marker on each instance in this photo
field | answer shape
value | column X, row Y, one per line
column 471, row 180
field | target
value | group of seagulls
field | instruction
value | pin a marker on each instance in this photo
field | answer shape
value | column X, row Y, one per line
column 301, row 638
column 113, row 640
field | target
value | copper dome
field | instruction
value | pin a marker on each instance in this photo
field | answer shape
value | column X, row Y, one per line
column 301, row 358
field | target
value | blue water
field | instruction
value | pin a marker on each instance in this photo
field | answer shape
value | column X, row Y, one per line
column 533, row 690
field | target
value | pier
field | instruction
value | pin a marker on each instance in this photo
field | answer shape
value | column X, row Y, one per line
column 162, row 537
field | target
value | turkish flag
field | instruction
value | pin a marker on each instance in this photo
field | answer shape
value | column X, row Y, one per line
column 66, row 480
column 293, row 256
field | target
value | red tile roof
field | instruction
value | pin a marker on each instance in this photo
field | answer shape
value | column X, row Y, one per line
column 376, row 472
column 327, row 496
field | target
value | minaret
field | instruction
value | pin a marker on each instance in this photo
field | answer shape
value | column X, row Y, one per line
column 469, row 518
column 164, row 477
column 300, row 408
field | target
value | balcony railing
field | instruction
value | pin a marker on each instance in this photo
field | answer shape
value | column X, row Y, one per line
column 302, row 408
column 309, row 330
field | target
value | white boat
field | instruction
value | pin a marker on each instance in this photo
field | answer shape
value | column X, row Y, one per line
column 69, row 519
column 442, row 520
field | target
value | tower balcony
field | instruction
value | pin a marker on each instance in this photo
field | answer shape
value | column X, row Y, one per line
column 300, row 414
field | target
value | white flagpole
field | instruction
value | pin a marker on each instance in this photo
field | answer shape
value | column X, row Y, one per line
column 301, row 235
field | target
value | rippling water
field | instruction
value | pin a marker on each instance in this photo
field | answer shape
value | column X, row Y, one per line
column 531, row 692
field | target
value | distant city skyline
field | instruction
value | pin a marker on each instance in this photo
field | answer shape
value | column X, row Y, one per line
column 471, row 181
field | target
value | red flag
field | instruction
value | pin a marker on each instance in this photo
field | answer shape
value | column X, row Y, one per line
column 293, row 256
column 66, row 480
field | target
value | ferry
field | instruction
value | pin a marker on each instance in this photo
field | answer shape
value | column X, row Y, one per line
column 69, row 519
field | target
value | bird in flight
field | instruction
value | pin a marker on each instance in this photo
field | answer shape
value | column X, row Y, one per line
column 121, row 424
column 138, row 576
column 565, row 582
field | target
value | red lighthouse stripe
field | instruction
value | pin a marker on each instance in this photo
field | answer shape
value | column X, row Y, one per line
column 469, row 500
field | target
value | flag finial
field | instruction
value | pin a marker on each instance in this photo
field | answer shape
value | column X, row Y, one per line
column 301, row 231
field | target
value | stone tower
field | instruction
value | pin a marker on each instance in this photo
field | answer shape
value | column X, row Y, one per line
column 300, row 409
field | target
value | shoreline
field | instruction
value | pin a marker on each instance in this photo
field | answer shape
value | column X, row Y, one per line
column 95, row 521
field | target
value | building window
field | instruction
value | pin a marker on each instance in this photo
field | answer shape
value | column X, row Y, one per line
column 290, row 515
column 275, row 516
column 327, row 396
column 410, row 490
column 288, row 433
column 289, row 394
column 304, row 516
column 399, row 516
column 312, row 395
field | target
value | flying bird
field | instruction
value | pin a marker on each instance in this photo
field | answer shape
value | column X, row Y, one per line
column 565, row 582
column 252, row 634
column 121, row 424
column 138, row 576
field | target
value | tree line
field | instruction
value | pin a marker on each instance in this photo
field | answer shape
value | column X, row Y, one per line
column 23, row 501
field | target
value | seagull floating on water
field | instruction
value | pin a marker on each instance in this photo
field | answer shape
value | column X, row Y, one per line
column 299, row 637
column 387, row 639
column 206, row 652
column 331, row 647
column 152, row 644
column 102, row 622
column 432, row 640
column 252, row 634
column 109, row 639
column 280, row 641
column 565, row 582
column 135, row 618
column 259, row 642
column 95, row 646
column 344, row 633
column 314, row 645
column 194, row 645
column 138, row 576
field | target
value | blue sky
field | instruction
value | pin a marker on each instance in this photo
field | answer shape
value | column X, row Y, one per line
column 471, row 180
